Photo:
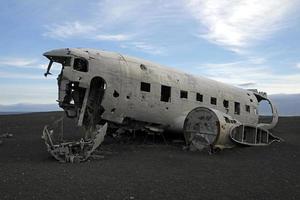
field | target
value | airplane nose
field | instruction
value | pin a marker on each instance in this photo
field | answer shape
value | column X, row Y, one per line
column 57, row 52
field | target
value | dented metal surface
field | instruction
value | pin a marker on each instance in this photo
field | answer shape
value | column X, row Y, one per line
column 97, row 87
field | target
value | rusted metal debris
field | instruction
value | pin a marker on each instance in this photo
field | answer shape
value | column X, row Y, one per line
column 75, row 151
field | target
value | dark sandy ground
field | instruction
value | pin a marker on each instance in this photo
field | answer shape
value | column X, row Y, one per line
column 147, row 171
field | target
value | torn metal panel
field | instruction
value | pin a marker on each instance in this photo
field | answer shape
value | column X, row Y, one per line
column 5, row 135
column 74, row 151
column 262, row 96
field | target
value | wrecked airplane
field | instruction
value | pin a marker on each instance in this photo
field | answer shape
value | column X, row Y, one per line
column 103, row 90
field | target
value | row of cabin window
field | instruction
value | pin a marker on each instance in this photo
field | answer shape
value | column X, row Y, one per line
column 166, row 97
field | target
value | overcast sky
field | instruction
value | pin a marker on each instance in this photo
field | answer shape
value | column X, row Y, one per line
column 247, row 43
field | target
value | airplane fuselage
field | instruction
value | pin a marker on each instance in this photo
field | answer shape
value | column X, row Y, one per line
column 138, row 90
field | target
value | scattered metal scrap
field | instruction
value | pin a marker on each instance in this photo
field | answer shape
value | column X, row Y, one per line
column 74, row 151
column 5, row 135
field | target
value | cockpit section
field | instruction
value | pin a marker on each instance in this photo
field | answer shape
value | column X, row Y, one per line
column 70, row 93
column 79, row 94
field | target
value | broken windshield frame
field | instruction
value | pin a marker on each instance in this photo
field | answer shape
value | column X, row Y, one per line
column 65, row 61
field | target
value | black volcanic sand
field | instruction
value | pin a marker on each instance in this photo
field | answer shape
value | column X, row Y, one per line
column 147, row 171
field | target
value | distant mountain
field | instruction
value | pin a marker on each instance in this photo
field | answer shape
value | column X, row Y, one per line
column 287, row 104
column 23, row 107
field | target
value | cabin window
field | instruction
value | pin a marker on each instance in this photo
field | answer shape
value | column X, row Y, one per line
column 213, row 100
column 183, row 94
column 237, row 108
column 247, row 108
column 65, row 61
column 145, row 87
column 225, row 104
column 81, row 64
column 199, row 97
column 165, row 93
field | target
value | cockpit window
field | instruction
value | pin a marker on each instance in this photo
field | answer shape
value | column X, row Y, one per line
column 65, row 61
column 81, row 64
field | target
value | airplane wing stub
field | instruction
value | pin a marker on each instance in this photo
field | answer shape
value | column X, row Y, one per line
column 252, row 136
